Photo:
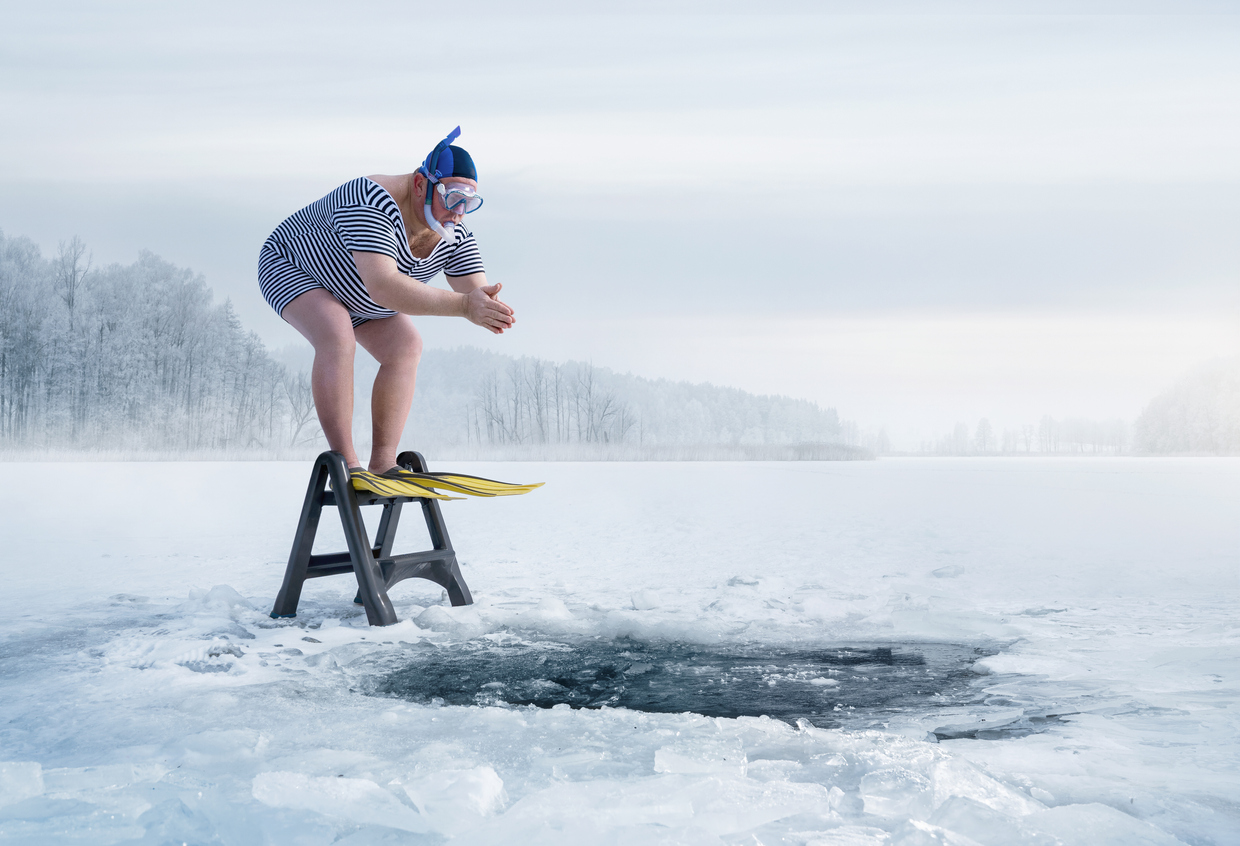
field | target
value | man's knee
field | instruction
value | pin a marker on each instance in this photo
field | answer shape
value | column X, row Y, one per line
column 324, row 322
column 413, row 346
column 335, row 346
column 400, row 345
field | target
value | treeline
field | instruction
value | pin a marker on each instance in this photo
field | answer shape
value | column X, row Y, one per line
column 132, row 357
column 138, row 358
column 531, row 401
column 1198, row 415
column 1068, row 436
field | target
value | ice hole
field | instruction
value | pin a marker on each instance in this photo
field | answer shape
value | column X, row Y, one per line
column 829, row 686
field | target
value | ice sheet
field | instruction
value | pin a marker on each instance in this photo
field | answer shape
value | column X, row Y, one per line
column 148, row 696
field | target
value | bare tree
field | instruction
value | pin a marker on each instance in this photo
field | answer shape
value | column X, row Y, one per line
column 984, row 436
column 72, row 265
column 300, row 398
column 1048, row 436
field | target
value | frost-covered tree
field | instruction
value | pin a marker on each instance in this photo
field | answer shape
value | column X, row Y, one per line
column 1200, row 413
column 984, row 436
column 1010, row 440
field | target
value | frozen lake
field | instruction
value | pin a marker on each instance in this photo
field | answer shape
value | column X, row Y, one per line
column 907, row 651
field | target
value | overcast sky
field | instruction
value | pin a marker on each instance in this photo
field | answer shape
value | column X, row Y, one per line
column 917, row 219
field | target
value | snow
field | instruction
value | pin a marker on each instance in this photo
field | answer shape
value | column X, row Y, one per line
column 148, row 697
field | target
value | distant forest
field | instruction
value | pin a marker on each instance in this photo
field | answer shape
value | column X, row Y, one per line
column 1068, row 436
column 129, row 357
column 133, row 358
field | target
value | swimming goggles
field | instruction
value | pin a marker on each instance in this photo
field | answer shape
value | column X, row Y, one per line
column 458, row 199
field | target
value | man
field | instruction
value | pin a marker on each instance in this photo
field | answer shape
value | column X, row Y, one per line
column 350, row 268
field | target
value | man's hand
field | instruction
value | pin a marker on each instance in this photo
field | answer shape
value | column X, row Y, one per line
column 483, row 307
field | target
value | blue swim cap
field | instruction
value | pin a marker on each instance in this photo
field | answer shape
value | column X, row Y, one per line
column 449, row 160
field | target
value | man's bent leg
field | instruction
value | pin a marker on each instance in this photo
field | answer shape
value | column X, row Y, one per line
column 327, row 326
column 397, row 346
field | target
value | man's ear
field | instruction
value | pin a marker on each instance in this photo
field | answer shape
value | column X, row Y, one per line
column 419, row 186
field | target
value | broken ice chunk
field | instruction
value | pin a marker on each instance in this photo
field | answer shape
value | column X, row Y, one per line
column 358, row 800
column 896, row 792
column 20, row 780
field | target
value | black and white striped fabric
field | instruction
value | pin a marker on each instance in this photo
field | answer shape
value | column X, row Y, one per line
column 311, row 249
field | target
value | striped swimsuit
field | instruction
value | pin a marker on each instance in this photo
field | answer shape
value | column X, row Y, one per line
column 311, row 249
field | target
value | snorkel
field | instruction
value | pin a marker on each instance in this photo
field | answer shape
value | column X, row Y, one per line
column 445, row 160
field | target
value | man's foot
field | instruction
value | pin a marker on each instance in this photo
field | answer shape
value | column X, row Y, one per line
column 354, row 473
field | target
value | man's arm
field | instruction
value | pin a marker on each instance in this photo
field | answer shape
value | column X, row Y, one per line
column 467, row 283
column 392, row 289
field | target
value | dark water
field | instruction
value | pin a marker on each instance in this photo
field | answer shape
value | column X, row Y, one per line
column 829, row 687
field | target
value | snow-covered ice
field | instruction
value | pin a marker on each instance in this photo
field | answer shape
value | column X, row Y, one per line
column 147, row 697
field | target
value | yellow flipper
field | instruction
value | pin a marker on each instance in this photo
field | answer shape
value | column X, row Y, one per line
column 499, row 488
column 472, row 485
column 364, row 480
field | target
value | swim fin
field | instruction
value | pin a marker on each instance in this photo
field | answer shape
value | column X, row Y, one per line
column 461, row 483
column 364, row 480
